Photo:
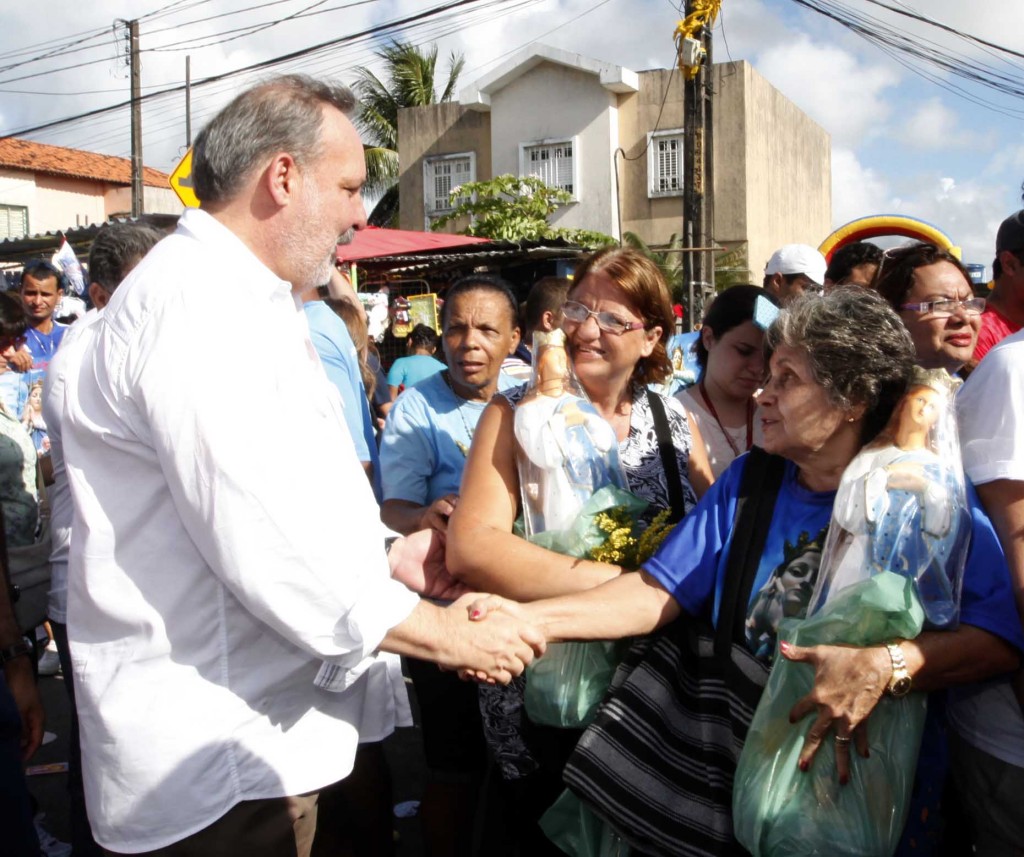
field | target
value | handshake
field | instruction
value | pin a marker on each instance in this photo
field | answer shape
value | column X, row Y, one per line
column 493, row 651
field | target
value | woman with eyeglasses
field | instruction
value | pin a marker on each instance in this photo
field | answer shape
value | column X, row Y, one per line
column 931, row 290
column 617, row 321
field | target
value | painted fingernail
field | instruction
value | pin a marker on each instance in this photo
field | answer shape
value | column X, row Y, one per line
column 804, row 765
column 784, row 647
column 474, row 614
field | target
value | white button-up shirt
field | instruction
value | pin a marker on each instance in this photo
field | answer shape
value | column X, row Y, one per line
column 226, row 540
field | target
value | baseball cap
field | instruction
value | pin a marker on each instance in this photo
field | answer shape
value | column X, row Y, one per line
column 1011, row 233
column 797, row 259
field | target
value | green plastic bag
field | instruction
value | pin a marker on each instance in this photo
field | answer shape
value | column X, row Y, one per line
column 566, row 685
column 777, row 809
column 579, row 832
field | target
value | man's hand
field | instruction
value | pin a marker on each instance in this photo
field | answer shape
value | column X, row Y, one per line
column 435, row 516
column 494, row 651
column 20, row 680
column 21, row 360
column 418, row 561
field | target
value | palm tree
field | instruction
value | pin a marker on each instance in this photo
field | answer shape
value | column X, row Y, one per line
column 409, row 73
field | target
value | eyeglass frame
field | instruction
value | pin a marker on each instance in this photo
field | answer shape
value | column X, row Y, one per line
column 929, row 306
column 626, row 326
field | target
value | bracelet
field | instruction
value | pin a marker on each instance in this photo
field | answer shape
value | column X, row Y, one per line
column 15, row 650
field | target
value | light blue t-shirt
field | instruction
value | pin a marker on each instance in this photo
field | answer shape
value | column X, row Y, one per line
column 340, row 359
column 408, row 371
column 426, row 439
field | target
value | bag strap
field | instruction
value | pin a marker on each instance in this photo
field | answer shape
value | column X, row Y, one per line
column 669, row 462
column 759, row 488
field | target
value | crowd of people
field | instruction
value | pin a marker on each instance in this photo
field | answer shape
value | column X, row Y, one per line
column 245, row 567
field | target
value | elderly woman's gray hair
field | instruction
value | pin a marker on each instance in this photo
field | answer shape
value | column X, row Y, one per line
column 857, row 347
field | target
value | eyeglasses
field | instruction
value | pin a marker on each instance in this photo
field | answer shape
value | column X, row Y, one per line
column 946, row 308
column 609, row 323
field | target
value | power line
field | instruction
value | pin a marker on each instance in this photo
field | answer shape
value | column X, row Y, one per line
column 263, row 64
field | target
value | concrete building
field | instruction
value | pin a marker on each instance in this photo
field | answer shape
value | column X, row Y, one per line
column 49, row 188
column 613, row 138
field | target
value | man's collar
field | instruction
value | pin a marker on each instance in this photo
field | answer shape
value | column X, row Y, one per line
column 239, row 260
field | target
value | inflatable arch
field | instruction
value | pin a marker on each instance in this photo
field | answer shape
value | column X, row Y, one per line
column 865, row 228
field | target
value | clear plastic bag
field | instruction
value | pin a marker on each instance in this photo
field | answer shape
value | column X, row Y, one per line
column 579, row 832
column 780, row 811
column 892, row 565
column 565, row 686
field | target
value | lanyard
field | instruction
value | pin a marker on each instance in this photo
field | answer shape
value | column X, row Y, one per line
column 728, row 438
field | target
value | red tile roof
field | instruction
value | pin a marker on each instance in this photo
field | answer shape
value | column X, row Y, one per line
column 18, row 154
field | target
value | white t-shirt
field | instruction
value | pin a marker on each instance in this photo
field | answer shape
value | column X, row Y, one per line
column 990, row 412
column 720, row 453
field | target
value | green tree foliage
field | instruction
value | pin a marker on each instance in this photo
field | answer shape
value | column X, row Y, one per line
column 510, row 208
column 409, row 79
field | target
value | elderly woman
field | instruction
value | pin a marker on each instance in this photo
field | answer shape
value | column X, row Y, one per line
column 838, row 365
column 617, row 319
column 423, row 451
column 931, row 291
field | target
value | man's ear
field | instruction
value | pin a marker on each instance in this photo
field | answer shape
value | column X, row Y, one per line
column 98, row 295
column 1010, row 263
column 549, row 320
column 282, row 178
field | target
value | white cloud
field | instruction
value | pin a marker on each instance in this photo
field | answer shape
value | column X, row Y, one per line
column 844, row 95
column 935, row 126
column 857, row 191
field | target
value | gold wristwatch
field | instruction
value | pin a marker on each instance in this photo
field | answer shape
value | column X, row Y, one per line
column 899, row 684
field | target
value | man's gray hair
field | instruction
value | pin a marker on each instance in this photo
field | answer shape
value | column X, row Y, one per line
column 284, row 114
column 857, row 347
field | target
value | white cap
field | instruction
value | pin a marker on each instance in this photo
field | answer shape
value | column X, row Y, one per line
column 798, row 259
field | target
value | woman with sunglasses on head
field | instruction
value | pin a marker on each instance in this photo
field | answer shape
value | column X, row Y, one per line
column 931, row 290
column 730, row 352
column 617, row 321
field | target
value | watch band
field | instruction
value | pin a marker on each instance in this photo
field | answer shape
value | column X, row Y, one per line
column 15, row 650
column 900, row 682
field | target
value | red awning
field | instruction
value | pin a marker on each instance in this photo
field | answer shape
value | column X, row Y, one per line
column 374, row 241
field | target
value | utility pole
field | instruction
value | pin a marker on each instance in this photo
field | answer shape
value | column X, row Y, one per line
column 694, row 42
column 188, row 100
column 138, row 205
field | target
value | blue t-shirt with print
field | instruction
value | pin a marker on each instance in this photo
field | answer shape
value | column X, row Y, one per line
column 691, row 566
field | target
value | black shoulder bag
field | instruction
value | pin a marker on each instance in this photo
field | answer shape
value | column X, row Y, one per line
column 658, row 762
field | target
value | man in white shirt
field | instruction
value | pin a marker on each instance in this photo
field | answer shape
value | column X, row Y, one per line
column 988, row 744
column 226, row 539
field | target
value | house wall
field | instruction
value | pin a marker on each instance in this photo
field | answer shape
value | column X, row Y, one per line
column 57, row 203
column 655, row 220
column 554, row 102
column 441, row 129
column 787, row 172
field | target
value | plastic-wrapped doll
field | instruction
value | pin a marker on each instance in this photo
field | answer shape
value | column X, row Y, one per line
column 901, row 505
column 567, row 450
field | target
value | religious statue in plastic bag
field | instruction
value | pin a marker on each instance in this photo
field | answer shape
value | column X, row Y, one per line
column 567, row 450
column 902, row 506
column 892, row 565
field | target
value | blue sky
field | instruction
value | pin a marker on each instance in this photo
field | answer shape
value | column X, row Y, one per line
column 900, row 144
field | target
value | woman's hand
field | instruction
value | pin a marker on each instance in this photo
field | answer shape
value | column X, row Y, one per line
column 848, row 682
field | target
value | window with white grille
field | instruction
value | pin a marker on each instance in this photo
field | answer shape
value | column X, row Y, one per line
column 665, row 163
column 13, row 221
column 440, row 175
column 552, row 161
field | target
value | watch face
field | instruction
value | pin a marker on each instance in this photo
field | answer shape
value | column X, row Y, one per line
column 900, row 686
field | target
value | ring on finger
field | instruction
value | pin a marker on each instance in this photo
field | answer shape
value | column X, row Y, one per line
column 842, row 742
